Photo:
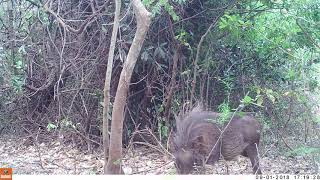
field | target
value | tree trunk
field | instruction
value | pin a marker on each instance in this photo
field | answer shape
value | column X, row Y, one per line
column 106, row 91
column 143, row 19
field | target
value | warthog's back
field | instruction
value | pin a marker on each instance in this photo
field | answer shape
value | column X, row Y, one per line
column 241, row 132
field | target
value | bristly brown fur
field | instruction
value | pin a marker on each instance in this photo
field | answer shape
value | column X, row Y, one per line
column 198, row 139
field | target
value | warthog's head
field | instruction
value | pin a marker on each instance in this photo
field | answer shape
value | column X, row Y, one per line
column 184, row 161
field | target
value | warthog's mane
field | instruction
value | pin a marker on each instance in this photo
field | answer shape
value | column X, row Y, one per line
column 189, row 124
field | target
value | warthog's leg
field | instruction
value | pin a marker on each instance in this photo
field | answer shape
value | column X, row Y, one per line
column 251, row 151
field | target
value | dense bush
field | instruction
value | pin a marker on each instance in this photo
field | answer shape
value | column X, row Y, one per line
column 262, row 55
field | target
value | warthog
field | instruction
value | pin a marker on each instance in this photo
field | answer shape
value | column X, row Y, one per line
column 199, row 140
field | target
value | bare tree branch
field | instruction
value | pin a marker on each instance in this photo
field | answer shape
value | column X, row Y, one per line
column 83, row 26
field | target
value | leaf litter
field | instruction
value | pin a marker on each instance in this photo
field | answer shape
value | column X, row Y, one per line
column 55, row 158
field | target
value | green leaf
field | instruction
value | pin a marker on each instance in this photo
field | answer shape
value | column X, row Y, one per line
column 271, row 97
column 51, row 126
column 22, row 50
column 161, row 109
column 18, row 64
column 260, row 100
column 225, row 112
column 164, row 131
column 187, row 72
column 247, row 100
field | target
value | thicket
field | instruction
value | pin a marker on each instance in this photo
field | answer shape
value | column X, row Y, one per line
column 260, row 56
